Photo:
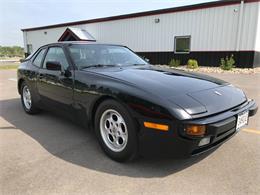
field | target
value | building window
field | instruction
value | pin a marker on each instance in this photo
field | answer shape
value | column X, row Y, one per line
column 29, row 48
column 182, row 44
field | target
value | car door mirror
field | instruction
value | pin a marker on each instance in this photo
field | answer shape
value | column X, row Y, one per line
column 52, row 65
column 147, row 60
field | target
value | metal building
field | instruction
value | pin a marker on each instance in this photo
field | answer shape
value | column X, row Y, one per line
column 206, row 32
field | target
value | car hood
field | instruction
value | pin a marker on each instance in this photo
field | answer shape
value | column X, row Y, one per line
column 195, row 93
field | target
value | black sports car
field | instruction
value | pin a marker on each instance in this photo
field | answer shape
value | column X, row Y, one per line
column 133, row 106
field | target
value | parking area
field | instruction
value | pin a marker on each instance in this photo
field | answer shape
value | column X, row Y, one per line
column 45, row 153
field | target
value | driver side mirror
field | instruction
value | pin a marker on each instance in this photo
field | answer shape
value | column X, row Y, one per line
column 52, row 65
column 147, row 60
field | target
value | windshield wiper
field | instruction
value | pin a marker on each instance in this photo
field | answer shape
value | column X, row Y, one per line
column 97, row 65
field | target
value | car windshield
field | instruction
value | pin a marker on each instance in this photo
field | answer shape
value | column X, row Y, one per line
column 90, row 55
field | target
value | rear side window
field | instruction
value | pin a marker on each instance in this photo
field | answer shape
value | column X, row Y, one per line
column 38, row 59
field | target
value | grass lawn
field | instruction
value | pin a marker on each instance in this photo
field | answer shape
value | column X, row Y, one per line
column 9, row 66
column 10, row 58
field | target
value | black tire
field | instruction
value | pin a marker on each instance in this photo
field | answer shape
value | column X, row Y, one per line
column 130, row 151
column 32, row 109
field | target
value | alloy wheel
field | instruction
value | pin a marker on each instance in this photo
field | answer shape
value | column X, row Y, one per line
column 113, row 130
column 27, row 100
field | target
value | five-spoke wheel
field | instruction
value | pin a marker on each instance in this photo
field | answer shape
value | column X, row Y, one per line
column 113, row 130
column 27, row 99
column 116, row 131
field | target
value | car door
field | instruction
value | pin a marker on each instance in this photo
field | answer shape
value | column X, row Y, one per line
column 55, row 87
column 33, row 71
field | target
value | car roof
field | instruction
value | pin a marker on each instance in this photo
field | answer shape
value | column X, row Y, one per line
column 80, row 43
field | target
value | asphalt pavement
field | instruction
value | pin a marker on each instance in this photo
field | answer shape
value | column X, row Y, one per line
column 46, row 154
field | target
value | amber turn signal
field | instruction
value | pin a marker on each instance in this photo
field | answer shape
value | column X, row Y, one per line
column 195, row 130
column 156, row 126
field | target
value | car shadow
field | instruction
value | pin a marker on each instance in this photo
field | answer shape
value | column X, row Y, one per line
column 77, row 145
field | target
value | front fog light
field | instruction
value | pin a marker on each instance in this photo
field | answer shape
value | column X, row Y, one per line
column 204, row 141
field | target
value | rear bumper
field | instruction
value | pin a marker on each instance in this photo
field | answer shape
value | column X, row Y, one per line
column 220, row 128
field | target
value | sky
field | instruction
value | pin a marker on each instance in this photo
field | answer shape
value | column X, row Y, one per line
column 18, row 14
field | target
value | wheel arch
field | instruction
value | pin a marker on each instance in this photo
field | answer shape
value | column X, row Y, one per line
column 95, row 105
column 102, row 99
column 20, row 81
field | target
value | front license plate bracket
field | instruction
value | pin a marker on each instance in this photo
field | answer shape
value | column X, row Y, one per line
column 242, row 120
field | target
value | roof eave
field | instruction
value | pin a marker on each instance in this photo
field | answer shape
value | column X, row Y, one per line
column 146, row 13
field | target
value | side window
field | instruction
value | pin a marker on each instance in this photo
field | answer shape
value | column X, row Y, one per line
column 56, row 54
column 38, row 59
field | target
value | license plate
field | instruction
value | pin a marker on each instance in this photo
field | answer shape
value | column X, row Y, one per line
column 242, row 120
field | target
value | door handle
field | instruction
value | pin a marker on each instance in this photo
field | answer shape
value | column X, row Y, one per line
column 66, row 73
column 40, row 76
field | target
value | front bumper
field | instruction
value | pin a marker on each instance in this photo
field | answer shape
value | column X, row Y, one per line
column 220, row 128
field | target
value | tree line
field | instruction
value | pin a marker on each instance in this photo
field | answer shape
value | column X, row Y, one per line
column 14, row 51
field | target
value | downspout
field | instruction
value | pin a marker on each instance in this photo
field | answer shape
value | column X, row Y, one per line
column 240, row 21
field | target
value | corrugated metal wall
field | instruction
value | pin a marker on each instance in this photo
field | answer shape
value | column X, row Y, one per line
column 249, row 26
column 211, row 29
column 257, row 42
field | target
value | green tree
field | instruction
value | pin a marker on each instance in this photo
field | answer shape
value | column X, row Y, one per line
column 14, row 51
